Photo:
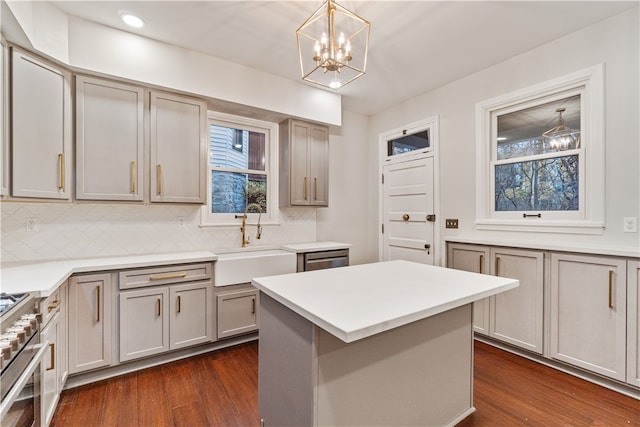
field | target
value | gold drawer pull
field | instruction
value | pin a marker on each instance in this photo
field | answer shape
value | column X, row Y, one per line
column 305, row 188
column 62, row 171
column 168, row 276
column 98, row 303
column 497, row 271
column 253, row 306
column 159, row 179
column 405, row 217
column 54, row 304
column 159, row 303
column 610, row 288
column 52, row 350
column 179, row 304
column 481, row 263
column 315, row 188
column 134, row 174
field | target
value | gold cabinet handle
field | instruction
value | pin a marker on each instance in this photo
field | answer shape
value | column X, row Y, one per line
column 253, row 306
column 168, row 276
column 54, row 304
column 159, row 179
column 158, row 305
column 497, row 271
column 405, row 217
column 134, row 174
column 179, row 304
column 305, row 188
column 315, row 188
column 481, row 263
column 52, row 351
column 98, row 303
column 610, row 288
column 62, row 177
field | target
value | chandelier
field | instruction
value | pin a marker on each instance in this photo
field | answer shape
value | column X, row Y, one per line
column 332, row 45
column 561, row 136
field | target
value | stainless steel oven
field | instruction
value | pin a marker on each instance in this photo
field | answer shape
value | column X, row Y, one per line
column 21, row 354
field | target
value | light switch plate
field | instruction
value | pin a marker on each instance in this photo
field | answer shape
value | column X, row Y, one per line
column 451, row 223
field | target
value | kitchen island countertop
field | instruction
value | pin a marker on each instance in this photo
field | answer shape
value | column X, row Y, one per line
column 363, row 300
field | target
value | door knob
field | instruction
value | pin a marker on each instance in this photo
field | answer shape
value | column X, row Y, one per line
column 405, row 217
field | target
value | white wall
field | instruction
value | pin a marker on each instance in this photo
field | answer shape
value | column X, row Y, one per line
column 613, row 42
column 347, row 218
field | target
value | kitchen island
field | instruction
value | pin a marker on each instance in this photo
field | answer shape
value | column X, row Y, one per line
column 387, row 343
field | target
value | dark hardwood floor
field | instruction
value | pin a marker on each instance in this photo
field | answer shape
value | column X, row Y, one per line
column 221, row 389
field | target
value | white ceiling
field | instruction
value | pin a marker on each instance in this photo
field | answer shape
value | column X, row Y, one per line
column 415, row 46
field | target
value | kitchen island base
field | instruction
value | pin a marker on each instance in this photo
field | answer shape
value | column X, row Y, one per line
column 416, row 374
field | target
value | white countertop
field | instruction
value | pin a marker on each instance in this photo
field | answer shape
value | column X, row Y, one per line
column 45, row 277
column 314, row 246
column 362, row 300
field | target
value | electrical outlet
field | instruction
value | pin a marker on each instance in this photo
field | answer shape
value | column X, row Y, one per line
column 451, row 223
column 31, row 224
column 630, row 224
column 180, row 222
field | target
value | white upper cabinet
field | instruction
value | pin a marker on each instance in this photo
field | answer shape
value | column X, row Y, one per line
column 178, row 149
column 109, row 140
column 41, row 128
column 304, row 164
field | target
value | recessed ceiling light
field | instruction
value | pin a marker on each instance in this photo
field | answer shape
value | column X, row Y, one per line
column 131, row 20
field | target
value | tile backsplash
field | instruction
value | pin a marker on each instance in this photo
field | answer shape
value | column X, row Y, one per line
column 72, row 230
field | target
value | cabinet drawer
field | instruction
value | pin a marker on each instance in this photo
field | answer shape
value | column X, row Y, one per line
column 49, row 306
column 139, row 278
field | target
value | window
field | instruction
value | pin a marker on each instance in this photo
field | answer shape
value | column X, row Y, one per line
column 241, row 159
column 540, row 157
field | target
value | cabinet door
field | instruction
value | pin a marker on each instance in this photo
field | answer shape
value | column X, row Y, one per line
column 178, row 149
column 237, row 313
column 633, row 323
column 476, row 260
column 318, row 166
column 144, row 323
column 62, row 336
column 109, row 140
column 191, row 314
column 299, row 163
column 49, row 384
column 41, row 128
column 588, row 313
column 4, row 119
column 90, row 322
column 516, row 315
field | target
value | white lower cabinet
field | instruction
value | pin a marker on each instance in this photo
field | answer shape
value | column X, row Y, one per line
column 588, row 313
column 54, row 363
column 90, row 322
column 473, row 258
column 633, row 323
column 237, row 310
column 157, row 319
column 515, row 316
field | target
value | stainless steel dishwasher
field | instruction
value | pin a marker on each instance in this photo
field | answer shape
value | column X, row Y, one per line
column 309, row 261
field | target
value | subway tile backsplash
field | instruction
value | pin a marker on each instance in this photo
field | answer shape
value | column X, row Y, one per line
column 72, row 230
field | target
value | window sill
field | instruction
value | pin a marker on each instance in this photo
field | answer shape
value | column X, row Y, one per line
column 251, row 222
column 559, row 227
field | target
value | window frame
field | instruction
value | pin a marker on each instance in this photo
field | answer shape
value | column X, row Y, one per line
column 589, row 219
column 208, row 219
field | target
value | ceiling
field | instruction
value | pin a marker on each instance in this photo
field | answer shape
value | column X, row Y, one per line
column 415, row 46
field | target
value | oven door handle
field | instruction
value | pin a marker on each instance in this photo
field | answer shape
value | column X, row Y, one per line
column 24, row 378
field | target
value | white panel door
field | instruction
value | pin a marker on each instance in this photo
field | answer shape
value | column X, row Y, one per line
column 633, row 323
column 408, row 199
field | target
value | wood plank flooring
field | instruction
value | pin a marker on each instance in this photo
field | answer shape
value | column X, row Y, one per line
column 221, row 389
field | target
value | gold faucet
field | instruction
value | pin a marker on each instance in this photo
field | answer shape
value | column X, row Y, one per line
column 246, row 239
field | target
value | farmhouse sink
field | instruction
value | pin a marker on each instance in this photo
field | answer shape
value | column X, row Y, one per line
column 240, row 267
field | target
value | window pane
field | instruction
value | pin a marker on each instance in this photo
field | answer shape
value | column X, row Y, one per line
column 236, row 148
column 408, row 143
column 520, row 133
column 231, row 192
column 539, row 185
